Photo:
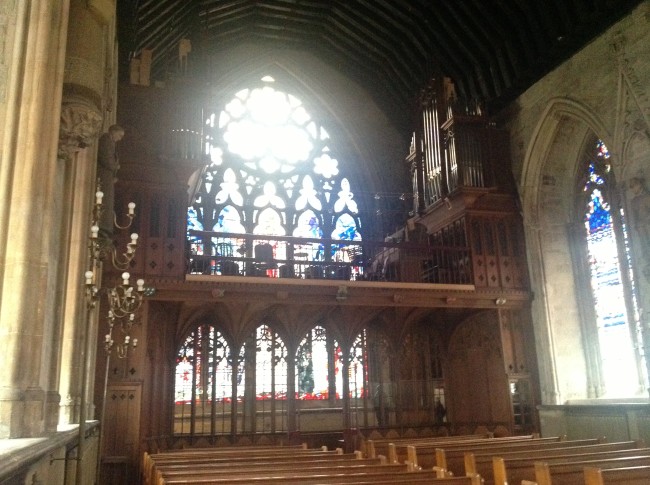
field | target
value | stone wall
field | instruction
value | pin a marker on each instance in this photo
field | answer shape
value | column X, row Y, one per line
column 604, row 91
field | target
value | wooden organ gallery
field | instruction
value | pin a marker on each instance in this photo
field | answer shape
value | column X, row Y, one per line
column 426, row 332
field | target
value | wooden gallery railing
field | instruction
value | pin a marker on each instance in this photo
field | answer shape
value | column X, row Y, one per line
column 230, row 254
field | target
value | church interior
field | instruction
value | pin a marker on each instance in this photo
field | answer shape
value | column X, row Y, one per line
column 298, row 221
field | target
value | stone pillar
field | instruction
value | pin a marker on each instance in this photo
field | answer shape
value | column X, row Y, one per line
column 88, row 108
column 29, row 267
column 548, row 379
column 80, row 126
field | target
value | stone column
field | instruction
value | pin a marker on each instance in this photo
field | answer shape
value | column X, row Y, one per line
column 88, row 108
column 543, row 329
column 28, row 249
column 80, row 126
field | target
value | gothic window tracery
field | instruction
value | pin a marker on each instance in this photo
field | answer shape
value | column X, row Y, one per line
column 610, row 276
column 272, row 172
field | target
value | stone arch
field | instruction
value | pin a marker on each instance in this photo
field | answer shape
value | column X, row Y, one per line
column 547, row 189
column 313, row 79
column 561, row 116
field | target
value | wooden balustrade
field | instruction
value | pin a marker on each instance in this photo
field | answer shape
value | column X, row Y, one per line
column 229, row 254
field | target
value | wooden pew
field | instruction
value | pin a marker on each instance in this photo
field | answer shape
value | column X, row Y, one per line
column 634, row 475
column 565, row 469
column 269, row 471
column 193, row 469
column 453, row 459
column 425, row 451
column 373, row 447
column 239, row 461
column 237, row 456
column 341, row 477
column 573, row 473
column 482, row 463
column 230, row 466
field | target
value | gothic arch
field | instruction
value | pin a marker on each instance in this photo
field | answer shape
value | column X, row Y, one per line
column 548, row 192
column 211, row 314
column 559, row 115
column 334, row 97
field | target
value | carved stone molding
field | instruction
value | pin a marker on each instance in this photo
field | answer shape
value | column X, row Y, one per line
column 636, row 87
column 80, row 125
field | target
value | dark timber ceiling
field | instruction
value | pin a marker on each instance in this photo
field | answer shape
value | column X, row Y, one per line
column 493, row 49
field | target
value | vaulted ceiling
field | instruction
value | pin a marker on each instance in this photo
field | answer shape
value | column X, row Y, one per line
column 493, row 49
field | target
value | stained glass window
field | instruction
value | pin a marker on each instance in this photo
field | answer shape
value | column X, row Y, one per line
column 203, row 380
column 606, row 270
column 273, row 171
column 358, row 368
column 270, row 365
column 318, row 367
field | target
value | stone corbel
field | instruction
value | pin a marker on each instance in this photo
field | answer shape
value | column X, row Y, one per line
column 81, row 122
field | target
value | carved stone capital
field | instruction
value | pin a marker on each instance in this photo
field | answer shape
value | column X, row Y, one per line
column 81, row 122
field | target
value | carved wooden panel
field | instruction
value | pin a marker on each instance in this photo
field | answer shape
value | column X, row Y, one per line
column 154, row 250
column 121, row 426
column 174, row 238
column 478, row 260
column 497, row 252
column 478, row 388
column 512, row 337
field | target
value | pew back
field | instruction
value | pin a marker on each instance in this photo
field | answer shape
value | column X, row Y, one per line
column 571, row 472
column 635, row 475
column 482, row 463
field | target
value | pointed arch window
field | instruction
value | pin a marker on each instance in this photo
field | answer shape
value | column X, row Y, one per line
column 318, row 367
column 615, row 308
column 272, row 172
column 203, row 385
column 266, row 403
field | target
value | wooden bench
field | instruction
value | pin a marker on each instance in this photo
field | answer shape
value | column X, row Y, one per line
column 564, row 469
column 280, row 466
column 275, row 466
column 482, row 463
column 573, row 472
column 237, row 456
column 274, row 471
column 425, row 451
column 340, row 477
column 373, row 447
column 633, row 475
column 453, row 459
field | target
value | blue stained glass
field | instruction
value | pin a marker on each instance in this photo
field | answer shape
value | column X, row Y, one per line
column 229, row 220
column 603, row 152
column 594, row 177
column 346, row 228
column 308, row 226
column 603, row 253
column 193, row 222
column 598, row 216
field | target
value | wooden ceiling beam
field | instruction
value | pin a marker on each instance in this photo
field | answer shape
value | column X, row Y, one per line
column 492, row 49
column 473, row 68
